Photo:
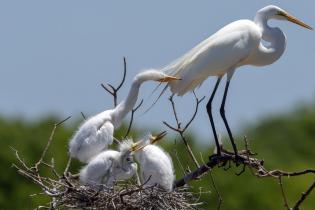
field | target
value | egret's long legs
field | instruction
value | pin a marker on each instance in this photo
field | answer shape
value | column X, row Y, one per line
column 209, row 110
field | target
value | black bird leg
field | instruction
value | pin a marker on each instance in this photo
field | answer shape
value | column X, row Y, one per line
column 209, row 110
column 222, row 112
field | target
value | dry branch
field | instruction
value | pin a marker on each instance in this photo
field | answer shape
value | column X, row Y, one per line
column 111, row 89
column 181, row 130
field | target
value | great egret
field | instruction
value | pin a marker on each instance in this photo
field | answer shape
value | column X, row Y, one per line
column 238, row 43
column 156, row 167
column 110, row 166
column 96, row 133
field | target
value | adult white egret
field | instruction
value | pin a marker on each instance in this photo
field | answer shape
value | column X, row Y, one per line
column 156, row 166
column 238, row 43
column 110, row 166
column 96, row 133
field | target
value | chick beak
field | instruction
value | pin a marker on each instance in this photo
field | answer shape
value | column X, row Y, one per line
column 136, row 146
column 293, row 19
column 155, row 139
column 168, row 78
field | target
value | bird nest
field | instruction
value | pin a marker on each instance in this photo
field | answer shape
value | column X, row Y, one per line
column 126, row 196
column 65, row 191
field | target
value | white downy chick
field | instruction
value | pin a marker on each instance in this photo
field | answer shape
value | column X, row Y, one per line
column 156, row 166
column 110, row 166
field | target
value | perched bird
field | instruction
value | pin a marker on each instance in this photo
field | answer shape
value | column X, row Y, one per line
column 110, row 166
column 238, row 43
column 156, row 166
column 96, row 133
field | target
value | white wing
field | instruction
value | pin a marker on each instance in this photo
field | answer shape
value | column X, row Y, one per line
column 92, row 137
column 214, row 56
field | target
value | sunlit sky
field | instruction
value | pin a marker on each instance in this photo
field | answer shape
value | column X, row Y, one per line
column 55, row 54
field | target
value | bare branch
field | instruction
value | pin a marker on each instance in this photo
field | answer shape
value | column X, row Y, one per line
column 303, row 197
column 220, row 199
column 49, row 142
column 111, row 89
column 198, row 101
column 131, row 117
column 286, row 205
column 182, row 131
column 83, row 115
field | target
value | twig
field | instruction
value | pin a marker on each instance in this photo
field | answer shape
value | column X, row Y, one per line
column 220, row 199
column 111, row 89
column 181, row 131
column 49, row 142
column 83, row 115
column 303, row 197
column 131, row 117
column 286, row 205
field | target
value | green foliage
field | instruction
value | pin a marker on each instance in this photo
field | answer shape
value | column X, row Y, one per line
column 285, row 142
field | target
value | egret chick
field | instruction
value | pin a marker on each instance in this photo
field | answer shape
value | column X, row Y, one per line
column 110, row 166
column 96, row 133
column 156, row 166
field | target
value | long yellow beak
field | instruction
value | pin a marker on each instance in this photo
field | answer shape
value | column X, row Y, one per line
column 155, row 139
column 168, row 78
column 293, row 19
column 136, row 146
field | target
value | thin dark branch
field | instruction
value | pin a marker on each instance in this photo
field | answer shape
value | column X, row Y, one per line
column 220, row 199
column 83, row 115
column 124, row 77
column 131, row 117
column 111, row 89
column 49, row 142
column 303, row 197
column 182, row 131
column 174, row 110
column 286, row 205
column 198, row 101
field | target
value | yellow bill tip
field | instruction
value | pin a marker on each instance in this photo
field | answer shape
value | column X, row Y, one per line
column 155, row 139
column 293, row 19
column 168, row 79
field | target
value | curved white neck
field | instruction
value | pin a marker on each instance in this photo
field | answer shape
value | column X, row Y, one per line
column 124, row 107
column 266, row 55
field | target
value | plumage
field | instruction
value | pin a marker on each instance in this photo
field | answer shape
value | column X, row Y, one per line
column 96, row 133
column 236, row 44
column 156, row 166
column 110, row 166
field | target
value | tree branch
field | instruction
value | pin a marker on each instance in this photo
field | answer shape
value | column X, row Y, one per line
column 131, row 117
column 111, row 89
column 181, row 131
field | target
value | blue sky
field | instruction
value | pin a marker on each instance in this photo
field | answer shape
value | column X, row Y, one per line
column 55, row 54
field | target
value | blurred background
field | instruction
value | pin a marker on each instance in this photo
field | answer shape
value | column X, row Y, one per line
column 55, row 54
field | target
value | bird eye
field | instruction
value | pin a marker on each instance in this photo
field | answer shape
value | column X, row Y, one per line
column 129, row 159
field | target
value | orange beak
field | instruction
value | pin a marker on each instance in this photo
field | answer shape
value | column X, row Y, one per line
column 168, row 78
column 293, row 19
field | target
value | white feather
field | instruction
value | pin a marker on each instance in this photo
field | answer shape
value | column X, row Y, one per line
column 96, row 133
column 156, row 167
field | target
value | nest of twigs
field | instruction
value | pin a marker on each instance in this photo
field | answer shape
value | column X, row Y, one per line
column 126, row 196
column 66, row 192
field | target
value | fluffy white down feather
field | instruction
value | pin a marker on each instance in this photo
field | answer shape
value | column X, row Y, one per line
column 93, row 136
column 105, row 169
column 156, row 167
